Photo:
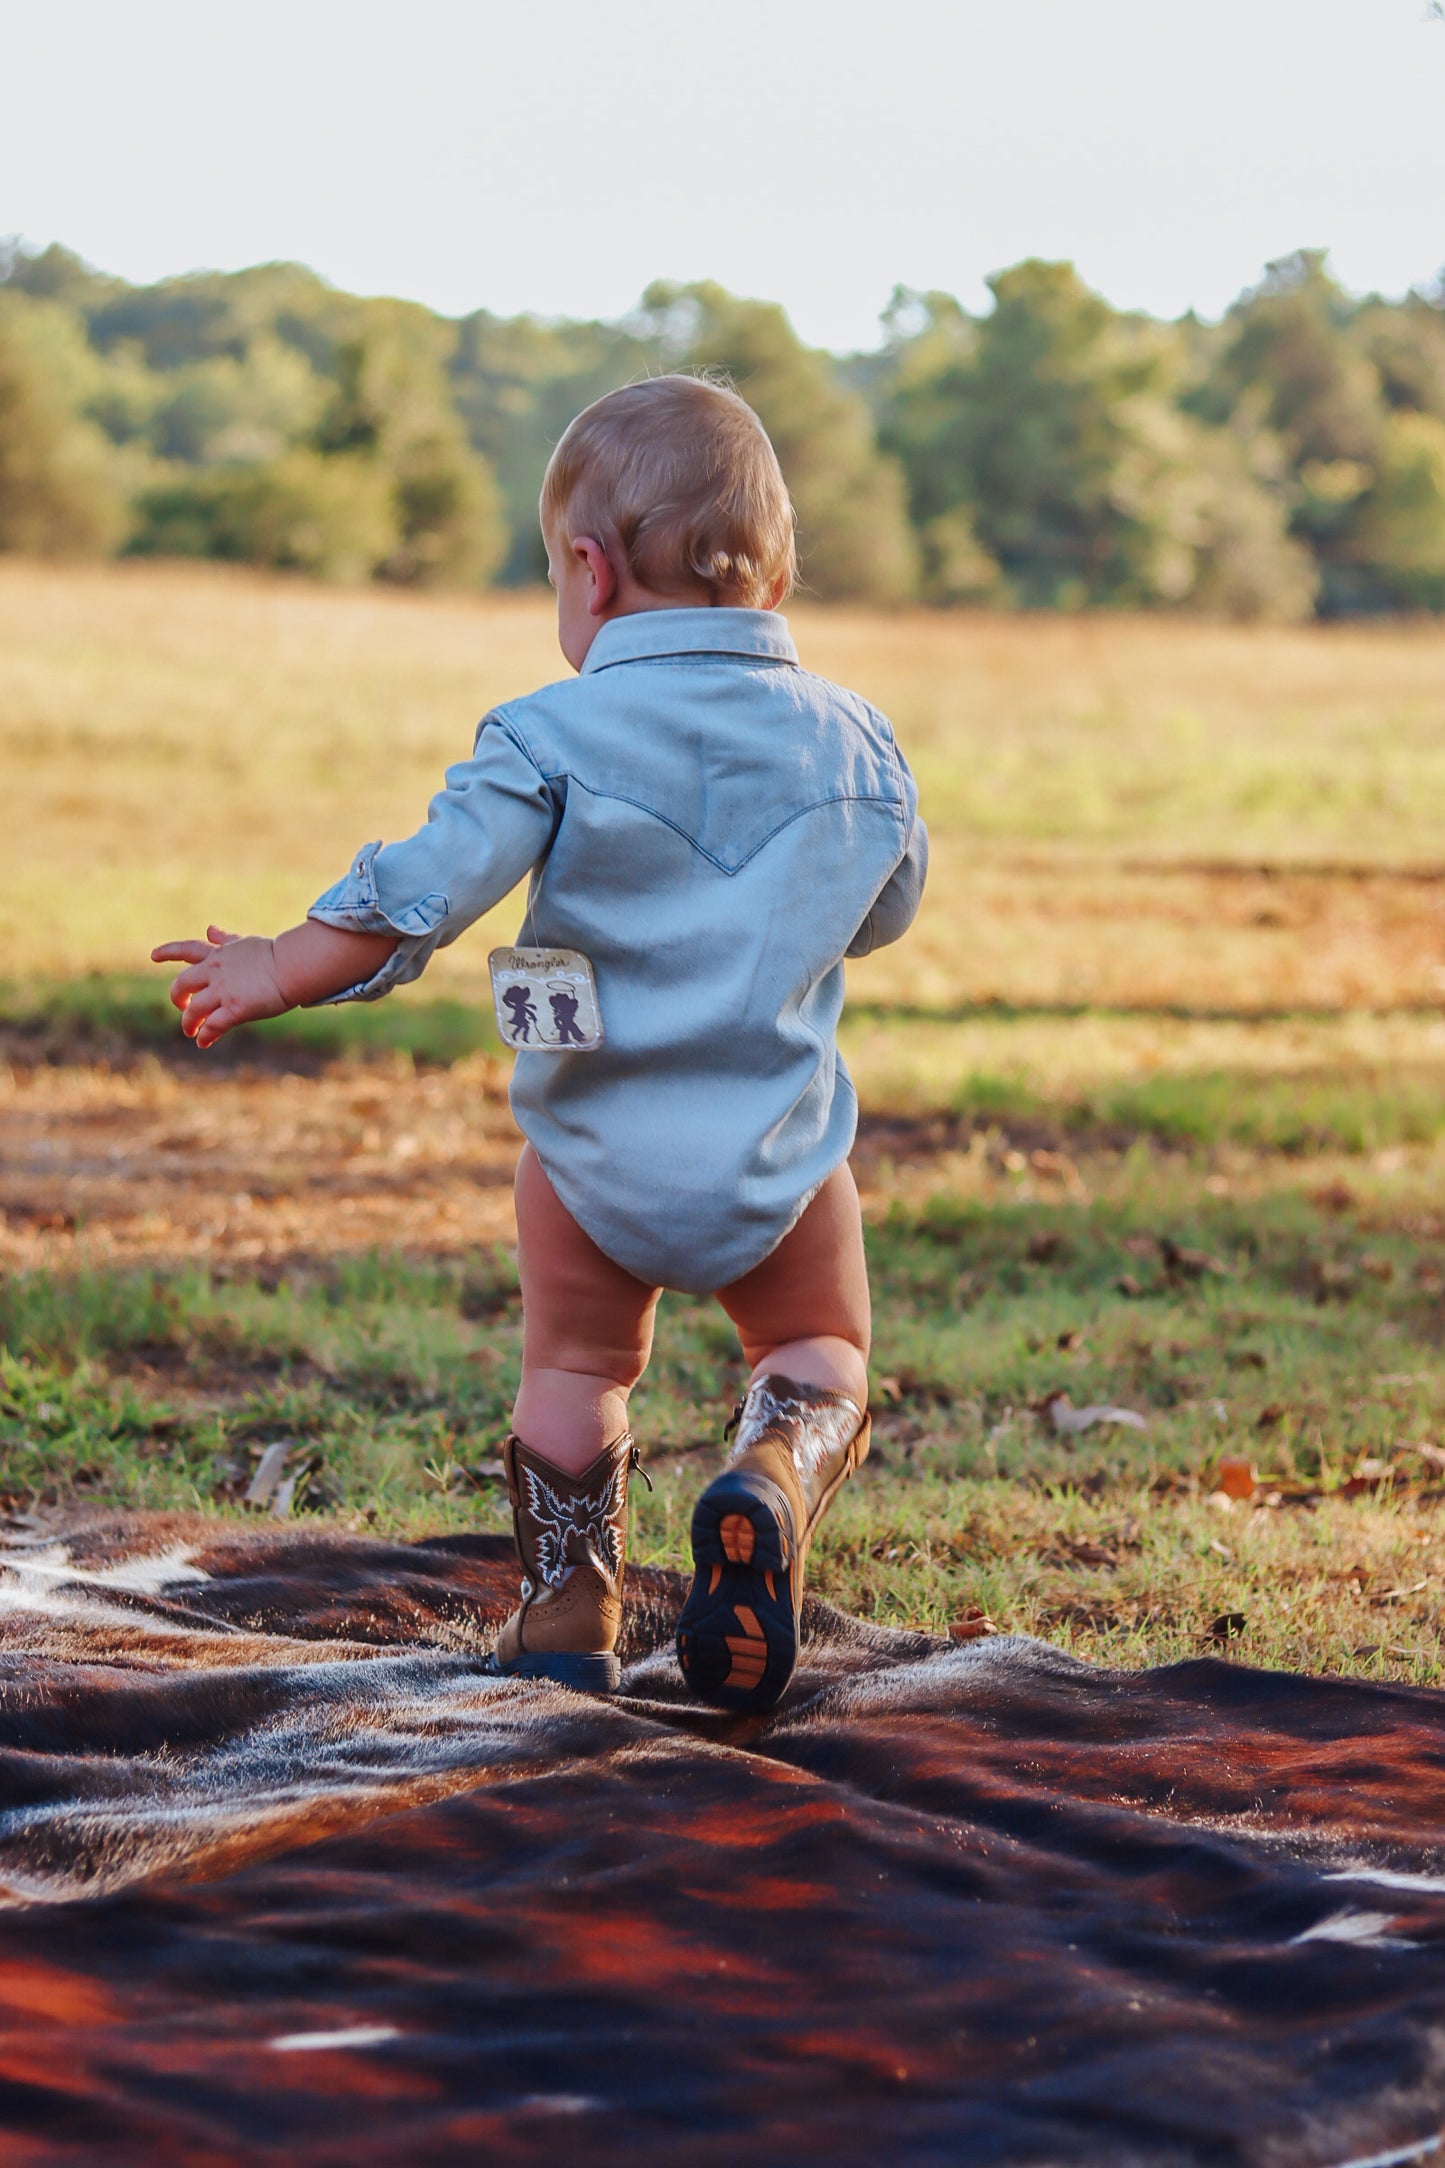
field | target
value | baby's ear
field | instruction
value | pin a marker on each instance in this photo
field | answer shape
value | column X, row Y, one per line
column 590, row 553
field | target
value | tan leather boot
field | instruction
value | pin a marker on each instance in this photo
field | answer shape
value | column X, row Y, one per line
column 571, row 1533
column 737, row 1638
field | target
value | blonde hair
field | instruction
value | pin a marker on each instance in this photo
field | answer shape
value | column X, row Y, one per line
column 676, row 472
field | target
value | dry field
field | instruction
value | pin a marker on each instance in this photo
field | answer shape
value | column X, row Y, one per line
column 1154, row 1098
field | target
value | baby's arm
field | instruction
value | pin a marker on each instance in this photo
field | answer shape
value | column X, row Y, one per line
column 378, row 927
column 238, row 979
column 896, row 904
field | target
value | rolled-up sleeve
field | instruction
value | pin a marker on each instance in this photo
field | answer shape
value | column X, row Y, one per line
column 483, row 833
column 896, row 904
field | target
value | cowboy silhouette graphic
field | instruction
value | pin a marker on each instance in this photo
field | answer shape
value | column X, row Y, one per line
column 564, row 1016
column 517, row 1000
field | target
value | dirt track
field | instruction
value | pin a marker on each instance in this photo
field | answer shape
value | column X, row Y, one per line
column 162, row 1163
column 227, row 1163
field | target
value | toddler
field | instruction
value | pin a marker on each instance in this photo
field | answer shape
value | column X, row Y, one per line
column 708, row 831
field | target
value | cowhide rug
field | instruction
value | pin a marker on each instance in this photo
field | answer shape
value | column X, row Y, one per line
column 287, row 1878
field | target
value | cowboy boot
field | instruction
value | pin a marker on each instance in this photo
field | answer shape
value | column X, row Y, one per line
column 737, row 1638
column 571, row 1533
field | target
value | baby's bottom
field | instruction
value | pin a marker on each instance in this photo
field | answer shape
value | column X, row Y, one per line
column 587, row 1324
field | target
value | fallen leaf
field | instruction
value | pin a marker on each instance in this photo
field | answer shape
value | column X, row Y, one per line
column 1370, row 1476
column 1079, row 1551
column 1236, row 1477
column 1227, row 1627
column 265, row 1482
column 971, row 1624
column 1357, row 1577
column 1274, row 1413
column 1191, row 1264
column 1067, row 1418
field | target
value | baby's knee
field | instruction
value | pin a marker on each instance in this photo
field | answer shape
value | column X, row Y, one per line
column 553, row 1342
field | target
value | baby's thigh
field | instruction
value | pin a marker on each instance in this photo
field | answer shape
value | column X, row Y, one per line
column 814, row 1285
column 579, row 1309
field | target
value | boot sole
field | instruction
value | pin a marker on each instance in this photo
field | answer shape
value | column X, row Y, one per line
column 587, row 1674
column 737, row 1638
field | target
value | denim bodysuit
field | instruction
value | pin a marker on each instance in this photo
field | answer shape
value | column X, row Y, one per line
column 715, row 828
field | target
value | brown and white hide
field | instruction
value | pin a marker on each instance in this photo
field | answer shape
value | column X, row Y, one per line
column 288, row 1878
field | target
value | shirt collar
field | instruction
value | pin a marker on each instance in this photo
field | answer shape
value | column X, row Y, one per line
column 647, row 634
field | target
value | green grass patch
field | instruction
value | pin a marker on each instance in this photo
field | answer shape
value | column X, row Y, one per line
column 113, row 1015
column 1305, row 1337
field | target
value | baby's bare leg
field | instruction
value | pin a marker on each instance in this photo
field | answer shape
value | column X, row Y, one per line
column 804, row 1311
column 586, row 1330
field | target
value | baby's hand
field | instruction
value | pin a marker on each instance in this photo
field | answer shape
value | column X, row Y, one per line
column 232, row 980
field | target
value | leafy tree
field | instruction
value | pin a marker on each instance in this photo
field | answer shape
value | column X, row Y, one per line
column 1291, row 349
column 1049, row 462
column 60, row 492
column 1400, row 535
column 392, row 404
column 1051, row 452
column 1405, row 341
column 1293, row 361
column 229, row 409
column 331, row 517
column 517, row 383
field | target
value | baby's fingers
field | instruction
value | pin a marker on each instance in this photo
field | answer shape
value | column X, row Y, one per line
column 187, row 985
column 216, row 1025
column 181, row 952
column 197, row 1008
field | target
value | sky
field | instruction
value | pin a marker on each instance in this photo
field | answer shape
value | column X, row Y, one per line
column 556, row 157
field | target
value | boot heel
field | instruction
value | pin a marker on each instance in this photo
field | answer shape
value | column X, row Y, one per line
column 737, row 1638
column 743, row 1520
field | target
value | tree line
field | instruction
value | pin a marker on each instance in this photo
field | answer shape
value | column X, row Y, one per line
column 1050, row 452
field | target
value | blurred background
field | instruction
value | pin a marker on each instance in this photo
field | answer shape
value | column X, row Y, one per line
column 1038, row 305
column 1104, row 352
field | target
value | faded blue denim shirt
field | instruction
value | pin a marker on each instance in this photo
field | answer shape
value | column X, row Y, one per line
column 716, row 829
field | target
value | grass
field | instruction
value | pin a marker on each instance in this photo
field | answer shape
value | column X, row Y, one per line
column 193, row 742
column 1154, row 1112
column 1293, row 1323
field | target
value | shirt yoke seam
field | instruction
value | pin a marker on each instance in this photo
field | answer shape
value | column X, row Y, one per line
column 618, row 797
